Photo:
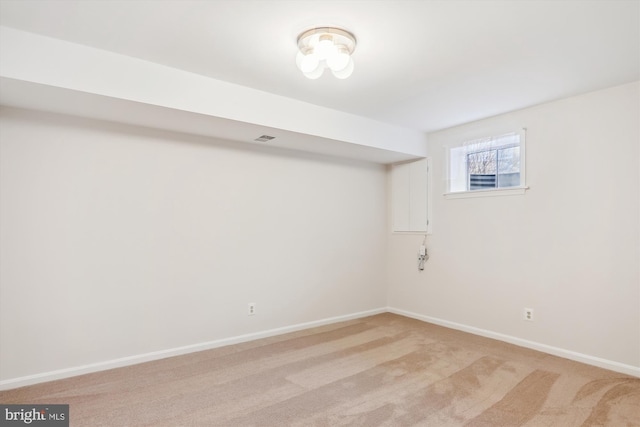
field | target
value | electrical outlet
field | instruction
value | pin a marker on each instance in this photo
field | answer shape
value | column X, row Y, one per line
column 252, row 309
column 528, row 314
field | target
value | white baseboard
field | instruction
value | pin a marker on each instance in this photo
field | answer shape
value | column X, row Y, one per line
column 567, row 354
column 147, row 357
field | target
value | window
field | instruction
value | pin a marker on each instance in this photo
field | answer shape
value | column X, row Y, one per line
column 488, row 164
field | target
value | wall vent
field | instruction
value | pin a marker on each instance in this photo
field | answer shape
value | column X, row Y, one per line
column 264, row 138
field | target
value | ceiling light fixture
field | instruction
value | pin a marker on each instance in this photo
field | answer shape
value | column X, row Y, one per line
column 326, row 47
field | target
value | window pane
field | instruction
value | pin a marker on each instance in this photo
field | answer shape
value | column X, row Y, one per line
column 486, row 163
column 482, row 181
column 509, row 180
column 481, row 167
column 509, row 160
column 482, row 162
column 509, row 167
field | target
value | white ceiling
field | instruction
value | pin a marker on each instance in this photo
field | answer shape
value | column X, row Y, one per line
column 425, row 65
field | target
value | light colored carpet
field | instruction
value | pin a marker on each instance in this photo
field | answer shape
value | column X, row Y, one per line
column 383, row 370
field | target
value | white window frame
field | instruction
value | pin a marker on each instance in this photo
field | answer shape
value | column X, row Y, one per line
column 461, row 171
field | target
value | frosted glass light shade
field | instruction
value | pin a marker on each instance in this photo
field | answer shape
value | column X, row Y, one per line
column 314, row 74
column 345, row 72
column 326, row 47
column 339, row 60
column 309, row 63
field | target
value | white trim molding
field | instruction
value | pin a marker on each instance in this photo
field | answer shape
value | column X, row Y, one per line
column 162, row 354
column 512, row 191
column 556, row 351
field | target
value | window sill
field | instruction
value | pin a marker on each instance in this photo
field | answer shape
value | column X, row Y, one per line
column 513, row 191
column 414, row 232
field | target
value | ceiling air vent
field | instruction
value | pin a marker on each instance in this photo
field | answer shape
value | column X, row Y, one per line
column 264, row 138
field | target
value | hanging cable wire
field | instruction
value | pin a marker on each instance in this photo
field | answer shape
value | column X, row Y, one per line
column 422, row 254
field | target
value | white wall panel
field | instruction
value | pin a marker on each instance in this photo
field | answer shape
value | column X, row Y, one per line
column 568, row 247
column 117, row 241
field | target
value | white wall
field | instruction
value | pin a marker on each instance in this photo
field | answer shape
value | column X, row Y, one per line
column 118, row 241
column 568, row 248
